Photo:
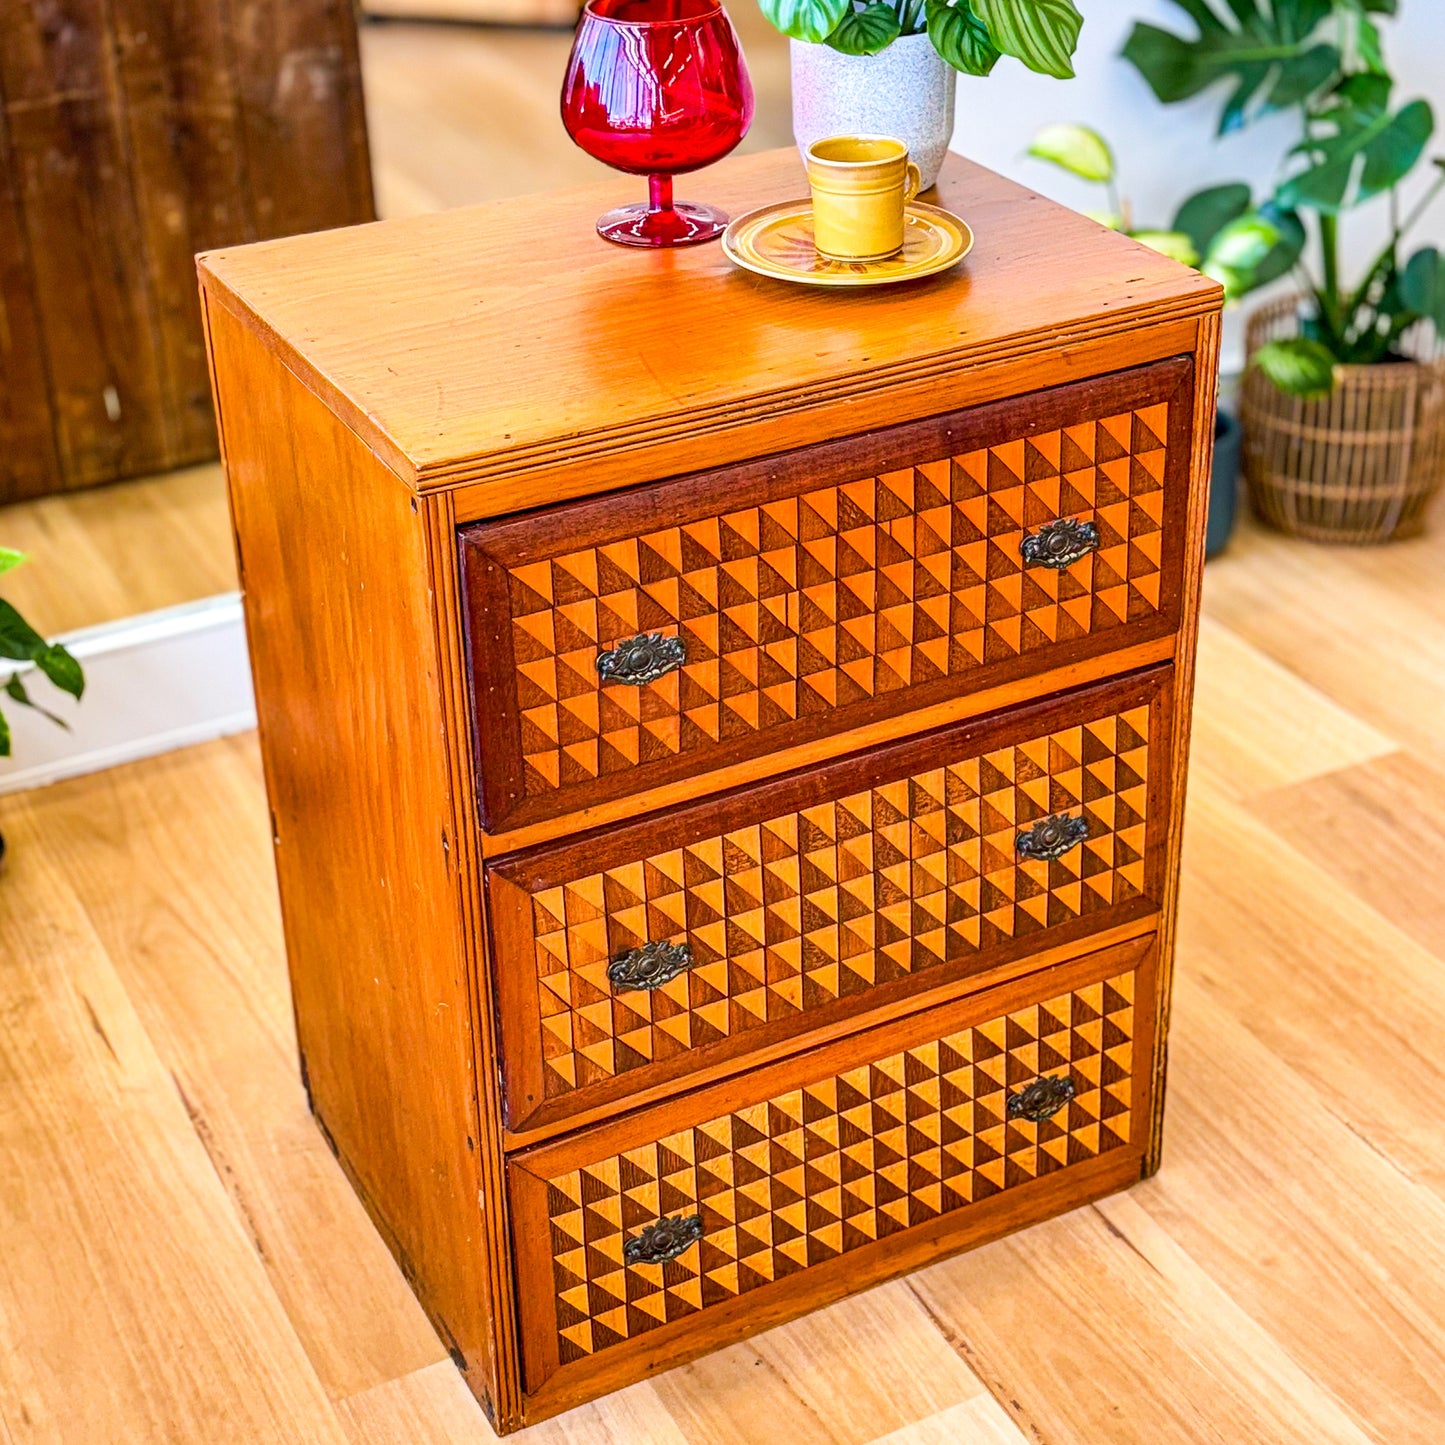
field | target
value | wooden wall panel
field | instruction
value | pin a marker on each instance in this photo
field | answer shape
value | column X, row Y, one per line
column 138, row 132
column 69, row 154
column 27, row 438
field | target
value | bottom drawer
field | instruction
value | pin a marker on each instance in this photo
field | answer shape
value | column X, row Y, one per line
column 697, row 1221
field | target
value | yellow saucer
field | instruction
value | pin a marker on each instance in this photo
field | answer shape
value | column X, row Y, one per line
column 778, row 241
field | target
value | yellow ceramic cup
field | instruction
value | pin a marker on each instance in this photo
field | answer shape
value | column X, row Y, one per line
column 860, row 186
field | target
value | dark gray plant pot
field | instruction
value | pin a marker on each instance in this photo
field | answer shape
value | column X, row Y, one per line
column 1224, row 483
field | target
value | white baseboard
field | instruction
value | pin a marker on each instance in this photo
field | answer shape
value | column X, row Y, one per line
column 155, row 682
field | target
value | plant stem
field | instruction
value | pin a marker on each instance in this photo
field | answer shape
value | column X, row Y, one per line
column 1330, row 254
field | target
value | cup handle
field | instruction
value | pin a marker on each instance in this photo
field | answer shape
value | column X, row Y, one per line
column 912, row 182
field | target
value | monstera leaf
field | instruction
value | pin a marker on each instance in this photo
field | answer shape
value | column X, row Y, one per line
column 1273, row 53
column 1368, row 150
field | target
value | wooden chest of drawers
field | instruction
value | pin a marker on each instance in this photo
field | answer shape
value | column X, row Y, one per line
column 725, row 748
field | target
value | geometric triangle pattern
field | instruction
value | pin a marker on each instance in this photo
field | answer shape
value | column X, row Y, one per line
column 795, row 608
column 799, row 910
column 813, row 1173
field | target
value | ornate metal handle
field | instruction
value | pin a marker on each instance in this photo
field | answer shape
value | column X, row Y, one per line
column 1042, row 1099
column 664, row 1240
column 650, row 966
column 1051, row 838
column 641, row 659
column 1059, row 544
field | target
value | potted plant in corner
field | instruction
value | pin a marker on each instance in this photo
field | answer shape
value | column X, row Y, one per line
column 888, row 67
column 20, row 642
column 1221, row 231
column 1343, row 401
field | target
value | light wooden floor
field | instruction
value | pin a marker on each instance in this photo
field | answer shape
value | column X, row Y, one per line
column 457, row 116
column 182, row 1260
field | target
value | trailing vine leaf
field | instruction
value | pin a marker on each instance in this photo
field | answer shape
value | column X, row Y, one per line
column 62, row 669
column 18, row 639
column 811, row 20
column 1042, row 33
column 4, row 737
column 1077, row 149
column 1298, row 367
column 9, row 558
column 960, row 37
column 866, row 31
column 16, row 689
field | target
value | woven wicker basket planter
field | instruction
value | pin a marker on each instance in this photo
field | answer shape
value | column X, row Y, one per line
column 1360, row 465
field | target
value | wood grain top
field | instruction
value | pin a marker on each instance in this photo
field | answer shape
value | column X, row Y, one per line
column 471, row 343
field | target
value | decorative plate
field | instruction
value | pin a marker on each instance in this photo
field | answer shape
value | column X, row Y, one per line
column 777, row 241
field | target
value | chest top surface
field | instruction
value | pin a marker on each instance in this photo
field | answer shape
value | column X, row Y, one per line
column 496, row 331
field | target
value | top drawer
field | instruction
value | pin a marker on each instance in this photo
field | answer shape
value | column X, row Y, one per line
column 629, row 640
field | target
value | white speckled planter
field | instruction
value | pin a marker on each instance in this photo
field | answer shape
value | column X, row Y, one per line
column 905, row 91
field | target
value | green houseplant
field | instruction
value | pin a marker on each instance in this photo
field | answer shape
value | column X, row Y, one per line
column 1221, row 231
column 20, row 642
column 1344, row 399
column 889, row 66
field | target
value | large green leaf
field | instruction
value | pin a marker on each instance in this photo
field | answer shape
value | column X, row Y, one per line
column 1298, row 367
column 866, row 31
column 1206, row 213
column 1042, row 33
column 1270, row 55
column 813, row 20
column 960, row 37
column 1422, row 286
column 1363, row 157
column 1077, row 149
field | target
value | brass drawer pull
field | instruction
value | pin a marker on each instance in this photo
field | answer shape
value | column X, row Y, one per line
column 664, row 1240
column 1059, row 544
column 1051, row 838
column 642, row 659
column 650, row 966
column 1042, row 1099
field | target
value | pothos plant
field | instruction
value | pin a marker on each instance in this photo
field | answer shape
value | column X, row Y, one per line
column 1322, row 61
column 971, row 35
column 20, row 642
column 1219, row 230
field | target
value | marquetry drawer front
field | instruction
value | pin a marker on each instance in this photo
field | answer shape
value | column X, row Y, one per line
column 628, row 640
column 646, row 952
column 712, row 1202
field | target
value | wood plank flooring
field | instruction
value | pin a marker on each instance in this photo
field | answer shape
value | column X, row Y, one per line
column 183, row 1261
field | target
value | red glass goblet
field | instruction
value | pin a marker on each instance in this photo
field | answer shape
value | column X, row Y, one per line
column 656, row 88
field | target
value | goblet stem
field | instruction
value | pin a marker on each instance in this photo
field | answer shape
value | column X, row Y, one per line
column 659, row 200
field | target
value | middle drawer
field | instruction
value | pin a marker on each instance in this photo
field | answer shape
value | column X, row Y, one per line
column 639, row 954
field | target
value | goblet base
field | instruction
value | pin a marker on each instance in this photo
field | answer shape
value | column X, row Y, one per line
column 684, row 223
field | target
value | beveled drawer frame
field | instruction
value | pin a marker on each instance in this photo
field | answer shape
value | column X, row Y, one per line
column 487, row 550
column 526, row 1109
column 553, row 1387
